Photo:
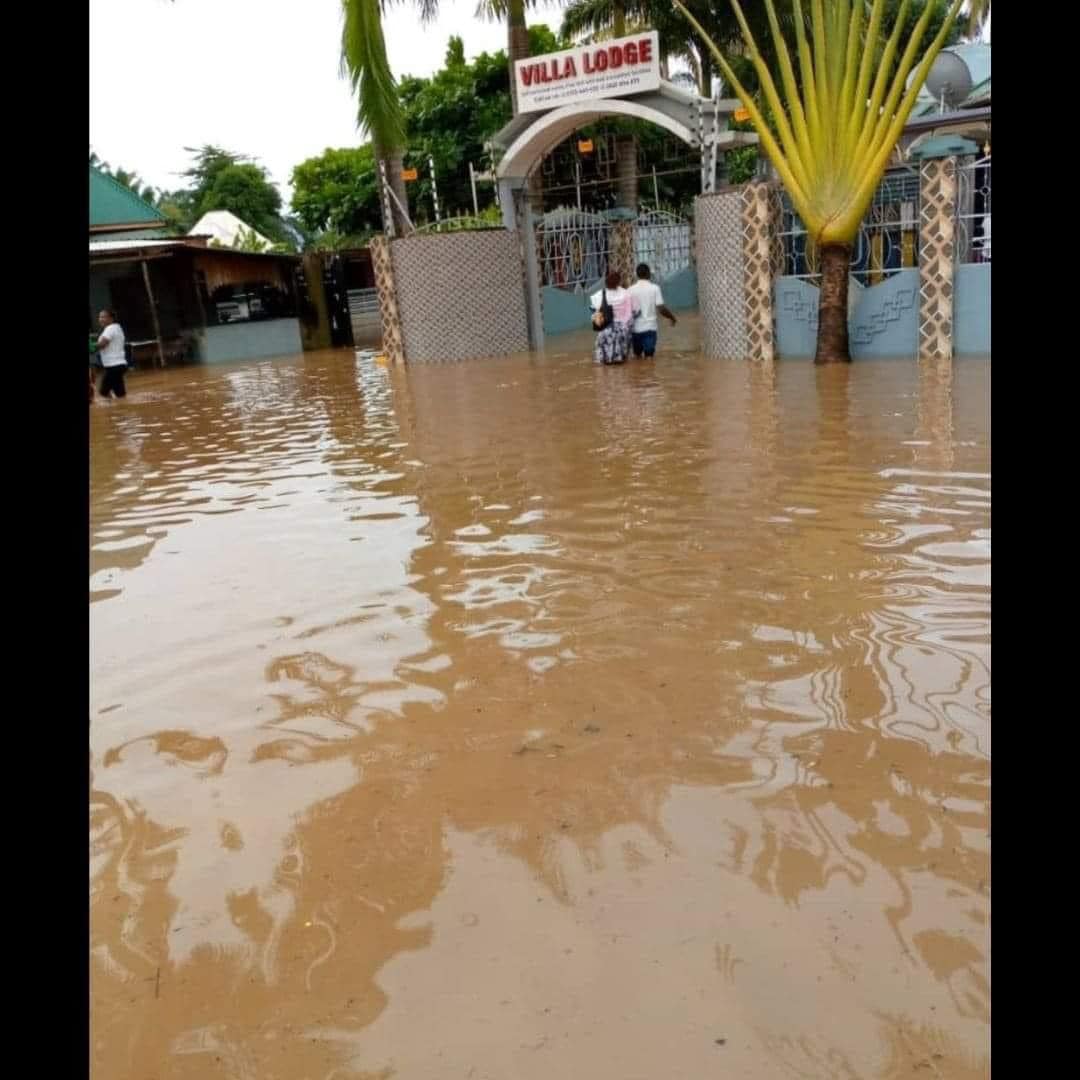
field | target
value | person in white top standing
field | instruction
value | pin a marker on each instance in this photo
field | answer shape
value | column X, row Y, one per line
column 648, row 300
column 111, row 351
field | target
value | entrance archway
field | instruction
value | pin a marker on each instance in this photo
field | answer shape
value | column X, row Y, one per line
column 701, row 123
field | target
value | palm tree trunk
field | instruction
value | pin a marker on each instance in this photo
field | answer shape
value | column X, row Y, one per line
column 395, row 161
column 695, row 68
column 706, row 72
column 517, row 43
column 618, row 21
column 832, row 332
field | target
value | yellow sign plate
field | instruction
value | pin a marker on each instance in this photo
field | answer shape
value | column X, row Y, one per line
column 585, row 146
column 742, row 115
column 408, row 174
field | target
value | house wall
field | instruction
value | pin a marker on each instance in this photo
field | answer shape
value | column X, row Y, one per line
column 226, row 268
column 249, row 341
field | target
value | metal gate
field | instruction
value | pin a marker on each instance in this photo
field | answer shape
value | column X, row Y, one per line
column 572, row 248
column 364, row 315
column 664, row 241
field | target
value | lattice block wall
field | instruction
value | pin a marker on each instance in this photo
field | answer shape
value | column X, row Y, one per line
column 460, row 295
column 388, row 307
column 759, row 252
column 718, row 228
column 937, row 257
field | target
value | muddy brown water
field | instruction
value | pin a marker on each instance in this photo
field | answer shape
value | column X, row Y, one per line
column 522, row 719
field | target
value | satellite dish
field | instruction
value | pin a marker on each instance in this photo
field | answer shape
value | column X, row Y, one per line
column 949, row 80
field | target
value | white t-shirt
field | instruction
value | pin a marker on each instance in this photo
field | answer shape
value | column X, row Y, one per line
column 622, row 305
column 647, row 297
column 112, row 355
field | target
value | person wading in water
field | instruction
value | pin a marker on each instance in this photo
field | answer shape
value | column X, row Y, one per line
column 614, row 313
column 111, row 351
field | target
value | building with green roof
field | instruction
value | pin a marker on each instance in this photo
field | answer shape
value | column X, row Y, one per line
column 117, row 213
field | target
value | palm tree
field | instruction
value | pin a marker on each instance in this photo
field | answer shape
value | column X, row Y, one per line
column 594, row 20
column 978, row 15
column 364, row 63
column 517, row 33
column 832, row 132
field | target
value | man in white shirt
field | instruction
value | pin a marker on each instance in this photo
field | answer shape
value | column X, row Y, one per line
column 648, row 300
column 111, row 351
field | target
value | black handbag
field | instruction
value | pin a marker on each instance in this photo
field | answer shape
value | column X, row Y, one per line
column 606, row 315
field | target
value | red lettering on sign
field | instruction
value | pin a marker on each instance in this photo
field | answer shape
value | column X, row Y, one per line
column 630, row 52
column 645, row 50
column 569, row 70
column 586, row 65
column 526, row 74
column 601, row 61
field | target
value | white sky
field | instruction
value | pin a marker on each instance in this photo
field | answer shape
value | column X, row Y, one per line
column 258, row 77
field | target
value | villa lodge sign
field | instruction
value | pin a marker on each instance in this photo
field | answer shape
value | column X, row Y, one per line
column 629, row 65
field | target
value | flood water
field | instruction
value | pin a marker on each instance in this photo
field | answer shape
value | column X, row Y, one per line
column 521, row 719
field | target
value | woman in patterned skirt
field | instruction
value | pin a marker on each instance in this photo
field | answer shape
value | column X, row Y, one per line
column 613, row 341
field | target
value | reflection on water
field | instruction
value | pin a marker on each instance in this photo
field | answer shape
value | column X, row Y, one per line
column 612, row 723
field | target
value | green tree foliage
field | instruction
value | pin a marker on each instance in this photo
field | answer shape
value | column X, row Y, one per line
column 449, row 117
column 218, row 179
column 246, row 190
column 337, row 193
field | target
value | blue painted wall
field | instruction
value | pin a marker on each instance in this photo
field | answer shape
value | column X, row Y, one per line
column 883, row 320
column 250, row 341
column 565, row 310
column 680, row 290
column 971, row 310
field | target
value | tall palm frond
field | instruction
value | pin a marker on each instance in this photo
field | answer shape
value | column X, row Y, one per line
column 364, row 63
column 978, row 13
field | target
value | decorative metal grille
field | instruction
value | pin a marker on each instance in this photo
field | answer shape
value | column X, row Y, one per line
column 458, row 224
column 973, row 211
column 572, row 248
column 664, row 241
column 887, row 241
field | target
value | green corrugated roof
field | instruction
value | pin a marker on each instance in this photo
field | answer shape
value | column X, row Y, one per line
column 113, row 204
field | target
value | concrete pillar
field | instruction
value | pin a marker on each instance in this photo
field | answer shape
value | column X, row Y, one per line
column 938, row 193
column 718, row 259
column 758, row 253
column 536, row 192
column 383, row 266
column 317, row 336
column 621, row 253
column 518, row 216
column 507, row 186
column 534, row 310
